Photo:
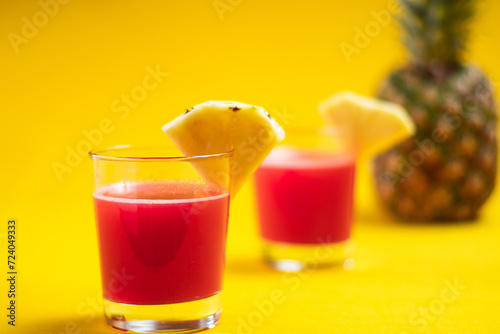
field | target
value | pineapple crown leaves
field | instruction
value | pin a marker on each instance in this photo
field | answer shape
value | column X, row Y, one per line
column 435, row 31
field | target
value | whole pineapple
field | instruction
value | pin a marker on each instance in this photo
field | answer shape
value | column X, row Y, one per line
column 447, row 171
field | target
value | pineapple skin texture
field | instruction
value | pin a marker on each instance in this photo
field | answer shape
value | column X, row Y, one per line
column 448, row 169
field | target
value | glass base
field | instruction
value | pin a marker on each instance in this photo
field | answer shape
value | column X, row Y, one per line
column 295, row 257
column 185, row 317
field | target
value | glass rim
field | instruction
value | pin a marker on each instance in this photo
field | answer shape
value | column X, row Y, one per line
column 100, row 154
column 322, row 130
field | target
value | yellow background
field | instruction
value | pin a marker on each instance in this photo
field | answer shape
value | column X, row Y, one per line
column 282, row 55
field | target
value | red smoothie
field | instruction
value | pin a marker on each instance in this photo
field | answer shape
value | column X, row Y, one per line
column 161, row 242
column 305, row 197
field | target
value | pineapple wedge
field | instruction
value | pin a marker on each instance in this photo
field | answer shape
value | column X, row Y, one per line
column 220, row 126
column 371, row 125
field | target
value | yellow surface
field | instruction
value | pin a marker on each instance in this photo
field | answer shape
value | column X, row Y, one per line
column 69, row 76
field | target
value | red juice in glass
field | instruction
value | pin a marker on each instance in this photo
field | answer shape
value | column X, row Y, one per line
column 305, row 203
column 166, row 240
column 161, row 229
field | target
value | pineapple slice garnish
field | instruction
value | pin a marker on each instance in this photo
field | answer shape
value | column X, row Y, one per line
column 371, row 125
column 220, row 126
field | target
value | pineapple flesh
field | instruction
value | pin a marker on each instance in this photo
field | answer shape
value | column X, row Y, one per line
column 447, row 170
column 220, row 126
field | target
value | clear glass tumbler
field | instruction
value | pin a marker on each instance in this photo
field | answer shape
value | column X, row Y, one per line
column 161, row 226
column 304, row 194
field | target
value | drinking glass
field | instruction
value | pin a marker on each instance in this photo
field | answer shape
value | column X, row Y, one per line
column 304, row 194
column 161, row 224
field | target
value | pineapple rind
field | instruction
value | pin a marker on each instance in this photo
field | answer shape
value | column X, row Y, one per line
column 457, row 174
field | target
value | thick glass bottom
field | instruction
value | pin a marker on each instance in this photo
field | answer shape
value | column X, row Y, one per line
column 295, row 257
column 185, row 317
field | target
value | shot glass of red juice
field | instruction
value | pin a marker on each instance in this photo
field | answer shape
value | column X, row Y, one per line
column 304, row 194
column 161, row 230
